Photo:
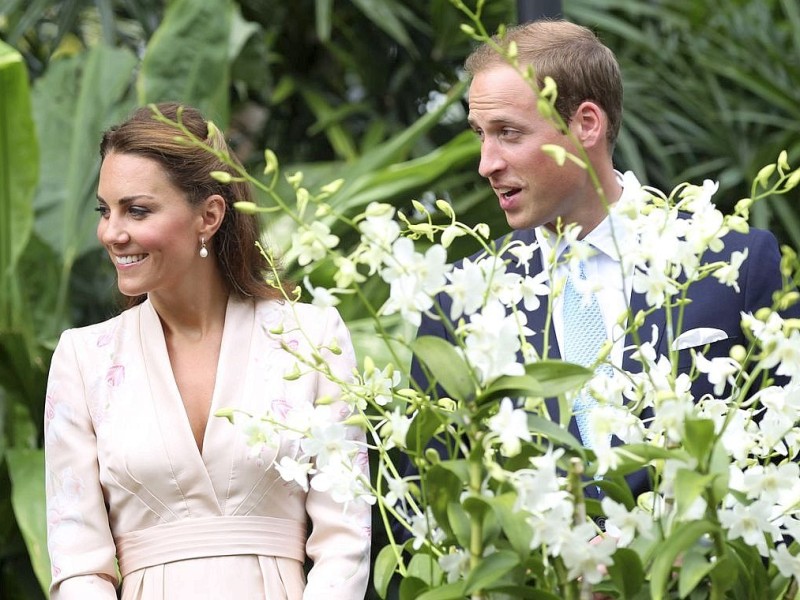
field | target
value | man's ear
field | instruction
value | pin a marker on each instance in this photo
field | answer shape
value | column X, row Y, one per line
column 212, row 212
column 589, row 124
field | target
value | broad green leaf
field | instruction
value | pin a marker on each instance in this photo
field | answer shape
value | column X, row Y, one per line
column 323, row 21
column 547, row 378
column 514, row 523
column 188, row 58
column 421, row 430
column 383, row 569
column 19, row 171
column 74, row 102
column 553, row 432
column 26, row 468
column 411, row 588
column 627, row 572
column 490, row 569
column 23, row 375
column 558, row 377
column 479, row 508
column 698, row 437
column 449, row 591
column 459, row 522
column 680, row 540
column 425, row 567
column 359, row 178
column 386, row 15
column 719, row 467
column 524, row 593
column 617, row 489
column 447, row 367
column 443, row 487
column 689, row 485
column 648, row 452
column 694, row 567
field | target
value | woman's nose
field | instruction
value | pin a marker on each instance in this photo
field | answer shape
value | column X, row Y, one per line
column 111, row 231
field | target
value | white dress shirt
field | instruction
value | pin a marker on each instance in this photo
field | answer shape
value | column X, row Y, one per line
column 603, row 271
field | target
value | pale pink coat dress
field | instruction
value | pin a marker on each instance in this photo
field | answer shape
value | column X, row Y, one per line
column 126, row 481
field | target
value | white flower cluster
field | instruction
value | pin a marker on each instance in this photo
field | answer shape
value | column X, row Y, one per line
column 310, row 446
column 666, row 244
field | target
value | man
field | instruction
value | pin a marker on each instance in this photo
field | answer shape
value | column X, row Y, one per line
column 537, row 195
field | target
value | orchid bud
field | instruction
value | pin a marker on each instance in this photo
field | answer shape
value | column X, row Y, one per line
column 738, row 353
column 247, row 208
column 221, row 176
column 271, row 161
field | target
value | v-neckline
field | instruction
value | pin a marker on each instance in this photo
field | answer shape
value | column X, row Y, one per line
column 230, row 381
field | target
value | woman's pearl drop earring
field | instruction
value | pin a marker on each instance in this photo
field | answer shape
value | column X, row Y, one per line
column 203, row 249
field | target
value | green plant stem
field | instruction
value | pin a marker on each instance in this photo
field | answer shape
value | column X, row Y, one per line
column 476, row 522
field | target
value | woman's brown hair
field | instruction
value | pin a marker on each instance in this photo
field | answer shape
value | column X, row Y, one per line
column 189, row 167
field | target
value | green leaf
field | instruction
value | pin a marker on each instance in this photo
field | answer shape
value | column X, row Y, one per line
column 480, row 508
column 490, row 569
column 385, row 15
column 694, row 568
column 449, row 591
column 447, row 367
column 553, row 432
column 19, row 172
column 26, row 468
column 698, row 437
column 424, row 567
column 615, row 487
column 444, row 486
column 689, row 485
column 627, row 572
column 383, row 569
column 557, row 376
column 679, row 541
column 421, row 430
column 459, row 523
column 187, row 58
column 75, row 100
column 411, row 588
column 524, row 593
column 514, row 523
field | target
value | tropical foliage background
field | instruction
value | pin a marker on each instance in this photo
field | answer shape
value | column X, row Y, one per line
column 365, row 90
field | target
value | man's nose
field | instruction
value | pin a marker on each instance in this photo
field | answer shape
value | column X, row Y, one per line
column 491, row 159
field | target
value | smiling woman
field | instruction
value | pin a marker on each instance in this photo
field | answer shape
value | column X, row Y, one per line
column 137, row 470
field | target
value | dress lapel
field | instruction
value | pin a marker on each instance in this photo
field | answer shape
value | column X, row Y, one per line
column 185, row 461
column 223, row 444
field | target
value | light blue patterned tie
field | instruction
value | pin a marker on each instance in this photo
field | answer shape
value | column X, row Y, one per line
column 584, row 336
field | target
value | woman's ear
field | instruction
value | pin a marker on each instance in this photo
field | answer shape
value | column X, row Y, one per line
column 588, row 124
column 212, row 212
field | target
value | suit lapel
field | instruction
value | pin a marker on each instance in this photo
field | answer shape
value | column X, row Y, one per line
column 537, row 322
column 657, row 318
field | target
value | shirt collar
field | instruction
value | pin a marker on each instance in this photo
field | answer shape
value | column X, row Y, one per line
column 601, row 238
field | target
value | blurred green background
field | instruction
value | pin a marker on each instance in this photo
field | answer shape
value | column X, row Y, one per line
column 367, row 90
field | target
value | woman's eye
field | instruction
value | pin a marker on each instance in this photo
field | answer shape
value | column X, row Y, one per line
column 102, row 210
column 138, row 212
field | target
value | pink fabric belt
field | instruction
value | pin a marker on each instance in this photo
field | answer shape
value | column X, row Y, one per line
column 210, row 536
